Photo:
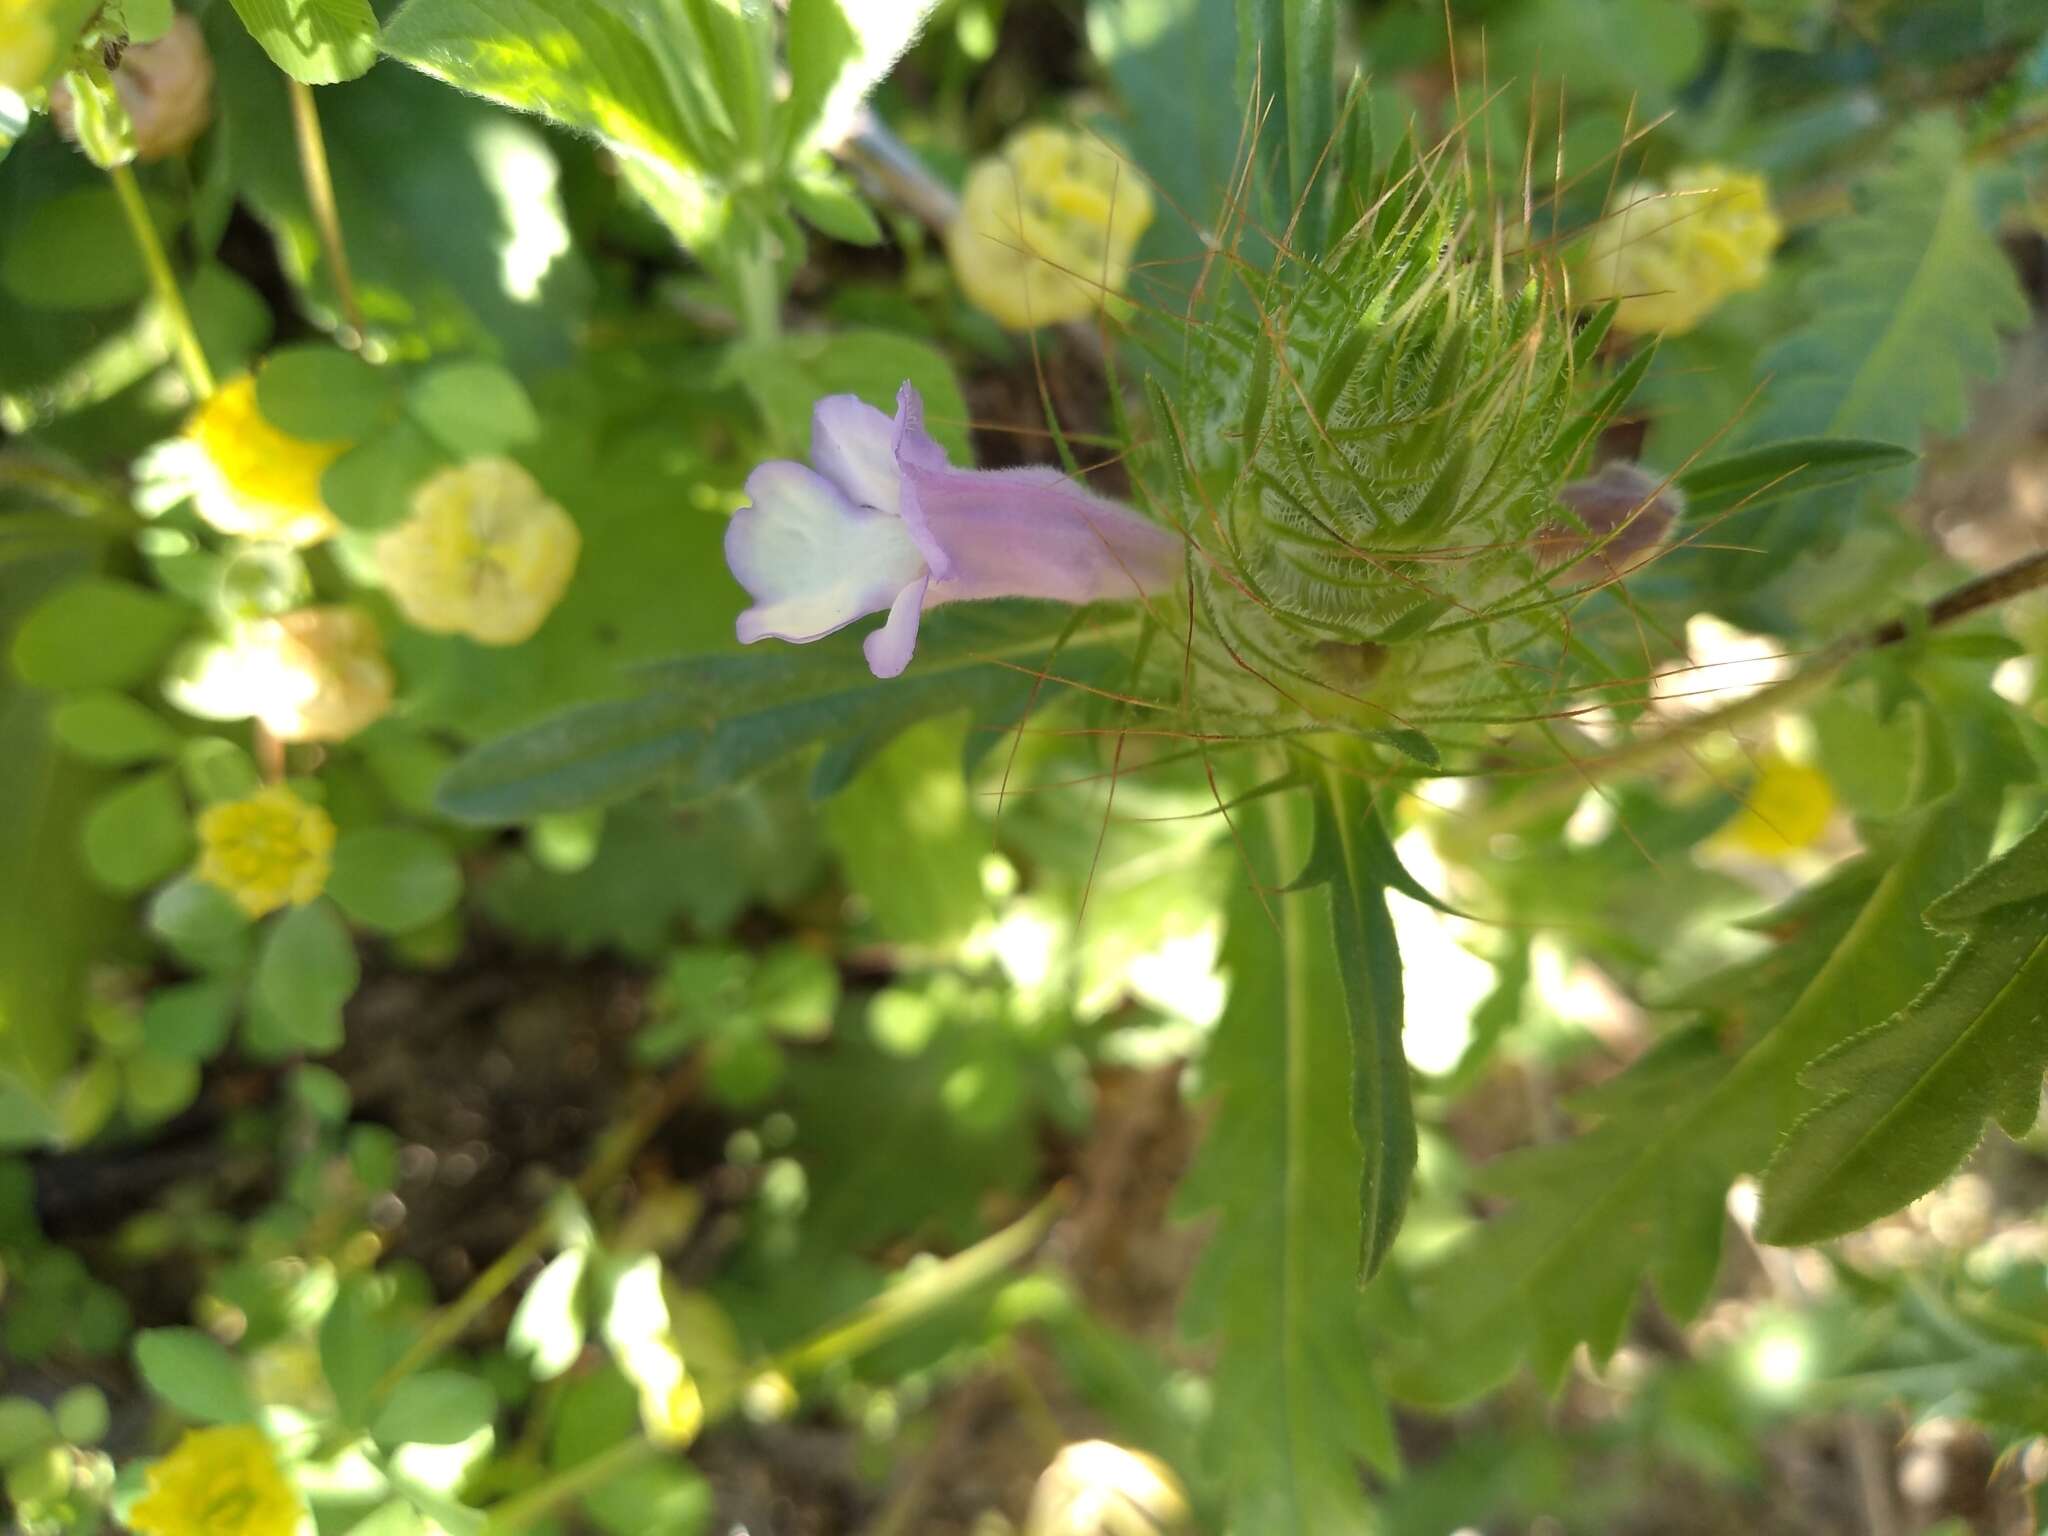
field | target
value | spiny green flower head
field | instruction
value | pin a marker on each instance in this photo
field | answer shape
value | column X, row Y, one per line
column 1365, row 451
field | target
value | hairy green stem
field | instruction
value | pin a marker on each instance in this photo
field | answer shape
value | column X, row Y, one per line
column 184, row 337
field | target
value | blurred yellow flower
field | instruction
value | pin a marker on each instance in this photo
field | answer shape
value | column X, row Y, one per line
column 28, row 44
column 318, row 674
column 1788, row 808
column 268, row 850
column 1672, row 251
column 1046, row 228
column 484, row 553
column 218, row 1482
column 252, row 480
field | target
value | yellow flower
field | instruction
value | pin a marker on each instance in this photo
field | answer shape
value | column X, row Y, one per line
column 318, row 674
column 218, row 1482
column 484, row 553
column 1095, row 1488
column 268, row 850
column 1046, row 228
column 253, row 480
column 1671, row 252
column 1788, row 808
column 28, row 45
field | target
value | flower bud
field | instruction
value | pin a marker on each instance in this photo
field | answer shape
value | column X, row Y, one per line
column 485, row 553
column 1671, row 252
column 1094, row 1488
column 266, row 850
column 1046, row 228
column 167, row 87
column 28, row 44
column 318, row 674
column 251, row 480
column 1622, row 513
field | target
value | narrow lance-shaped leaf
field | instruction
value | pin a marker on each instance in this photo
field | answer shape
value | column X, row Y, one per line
column 1351, row 852
column 1907, row 1100
column 1277, row 1289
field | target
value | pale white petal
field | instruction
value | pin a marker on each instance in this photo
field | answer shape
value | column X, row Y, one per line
column 811, row 559
column 854, row 446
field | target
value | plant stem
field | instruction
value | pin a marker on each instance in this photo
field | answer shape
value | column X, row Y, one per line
column 588, row 1475
column 613, row 1155
column 184, row 338
column 915, row 1299
column 759, row 290
column 2027, row 574
column 319, row 180
column 901, row 1307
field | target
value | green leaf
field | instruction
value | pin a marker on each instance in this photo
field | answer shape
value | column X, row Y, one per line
column 1904, row 1102
column 393, row 879
column 370, row 487
column 112, row 729
column 322, row 393
column 305, row 971
column 909, row 841
column 1760, row 476
column 200, row 924
column 1907, row 306
column 190, row 1022
column 709, row 722
column 473, row 409
column 838, row 53
column 435, row 1408
column 74, row 251
column 319, row 42
column 581, row 63
column 96, row 633
column 1277, row 1285
column 138, row 833
column 1351, row 852
column 1645, row 1190
column 194, row 1374
column 356, row 1347
column 549, row 1327
column 830, row 205
column 788, row 376
column 1286, row 61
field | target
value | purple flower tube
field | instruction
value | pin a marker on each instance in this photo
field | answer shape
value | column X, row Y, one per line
column 880, row 522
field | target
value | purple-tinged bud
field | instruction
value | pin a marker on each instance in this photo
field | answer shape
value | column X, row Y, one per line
column 166, row 86
column 881, row 522
column 1624, row 513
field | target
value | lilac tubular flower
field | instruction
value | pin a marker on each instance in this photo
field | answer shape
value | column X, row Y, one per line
column 882, row 522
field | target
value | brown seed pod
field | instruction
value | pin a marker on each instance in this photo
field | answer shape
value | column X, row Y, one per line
column 1624, row 513
column 167, row 87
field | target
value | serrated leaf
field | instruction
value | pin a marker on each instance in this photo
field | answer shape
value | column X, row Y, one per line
column 709, row 722
column 1350, row 852
column 1277, row 1284
column 580, row 63
column 1642, row 1193
column 1906, row 1101
column 319, row 42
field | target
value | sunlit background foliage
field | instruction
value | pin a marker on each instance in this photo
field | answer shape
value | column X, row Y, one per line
column 1484, row 1010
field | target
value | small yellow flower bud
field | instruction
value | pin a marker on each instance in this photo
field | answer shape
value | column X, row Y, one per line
column 1094, row 1488
column 252, row 480
column 1788, row 808
column 1046, row 228
column 1671, row 253
column 318, row 674
column 28, row 44
column 269, row 850
column 484, row 553
column 218, row 1482
column 167, row 87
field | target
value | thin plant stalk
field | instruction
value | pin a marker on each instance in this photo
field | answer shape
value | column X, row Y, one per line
column 184, row 336
column 319, row 180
